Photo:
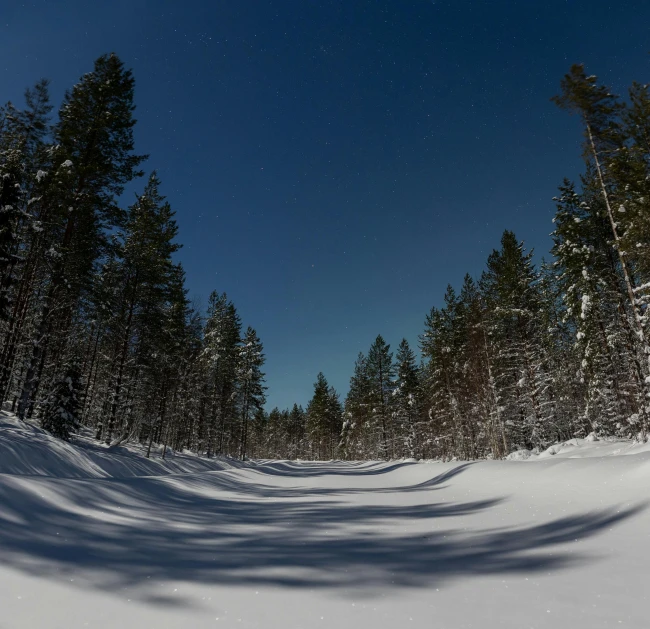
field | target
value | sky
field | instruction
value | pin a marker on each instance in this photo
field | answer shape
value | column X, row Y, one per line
column 335, row 164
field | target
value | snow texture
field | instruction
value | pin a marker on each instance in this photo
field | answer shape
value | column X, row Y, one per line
column 98, row 537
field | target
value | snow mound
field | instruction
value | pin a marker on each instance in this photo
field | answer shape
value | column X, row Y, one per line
column 27, row 450
column 520, row 455
column 593, row 446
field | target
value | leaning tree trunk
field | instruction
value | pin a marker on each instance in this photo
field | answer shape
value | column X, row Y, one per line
column 638, row 320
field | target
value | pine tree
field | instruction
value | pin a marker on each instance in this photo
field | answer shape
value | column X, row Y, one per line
column 146, row 275
column 93, row 159
column 10, row 201
column 24, row 158
column 169, row 352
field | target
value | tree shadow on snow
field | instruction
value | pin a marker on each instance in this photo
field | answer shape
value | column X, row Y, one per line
column 117, row 533
column 310, row 469
column 232, row 482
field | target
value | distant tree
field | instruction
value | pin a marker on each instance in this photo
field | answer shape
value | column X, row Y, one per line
column 357, row 412
column 296, row 435
column 407, row 401
column 323, row 419
column 510, row 286
column 220, row 356
column 250, row 382
column 380, row 371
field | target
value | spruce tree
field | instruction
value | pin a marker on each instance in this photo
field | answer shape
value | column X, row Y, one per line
column 355, row 429
column 407, row 400
column 510, row 286
column 443, row 346
column 600, row 113
column 250, row 382
column 319, row 418
column 296, row 436
column 220, row 354
column 594, row 308
column 380, row 373
column 259, row 434
column 60, row 414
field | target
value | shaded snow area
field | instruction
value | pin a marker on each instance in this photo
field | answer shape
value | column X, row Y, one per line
column 93, row 537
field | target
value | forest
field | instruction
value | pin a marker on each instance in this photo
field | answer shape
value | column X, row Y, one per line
column 97, row 330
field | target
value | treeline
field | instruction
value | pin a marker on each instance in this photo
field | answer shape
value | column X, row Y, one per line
column 520, row 357
column 95, row 324
column 96, row 328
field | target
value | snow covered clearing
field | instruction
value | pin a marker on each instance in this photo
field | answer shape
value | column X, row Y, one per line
column 97, row 538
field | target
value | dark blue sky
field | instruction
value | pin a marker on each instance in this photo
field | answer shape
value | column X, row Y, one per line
column 333, row 165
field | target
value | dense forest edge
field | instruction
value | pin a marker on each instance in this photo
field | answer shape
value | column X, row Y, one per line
column 97, row 331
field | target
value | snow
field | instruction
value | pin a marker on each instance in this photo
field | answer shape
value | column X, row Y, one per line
column 98, row 537
column 520, row 455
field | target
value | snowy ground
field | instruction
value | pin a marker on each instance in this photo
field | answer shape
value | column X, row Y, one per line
column 91, row 538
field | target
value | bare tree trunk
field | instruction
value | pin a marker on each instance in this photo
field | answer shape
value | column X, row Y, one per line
column 38, row 354
column 242, row 449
